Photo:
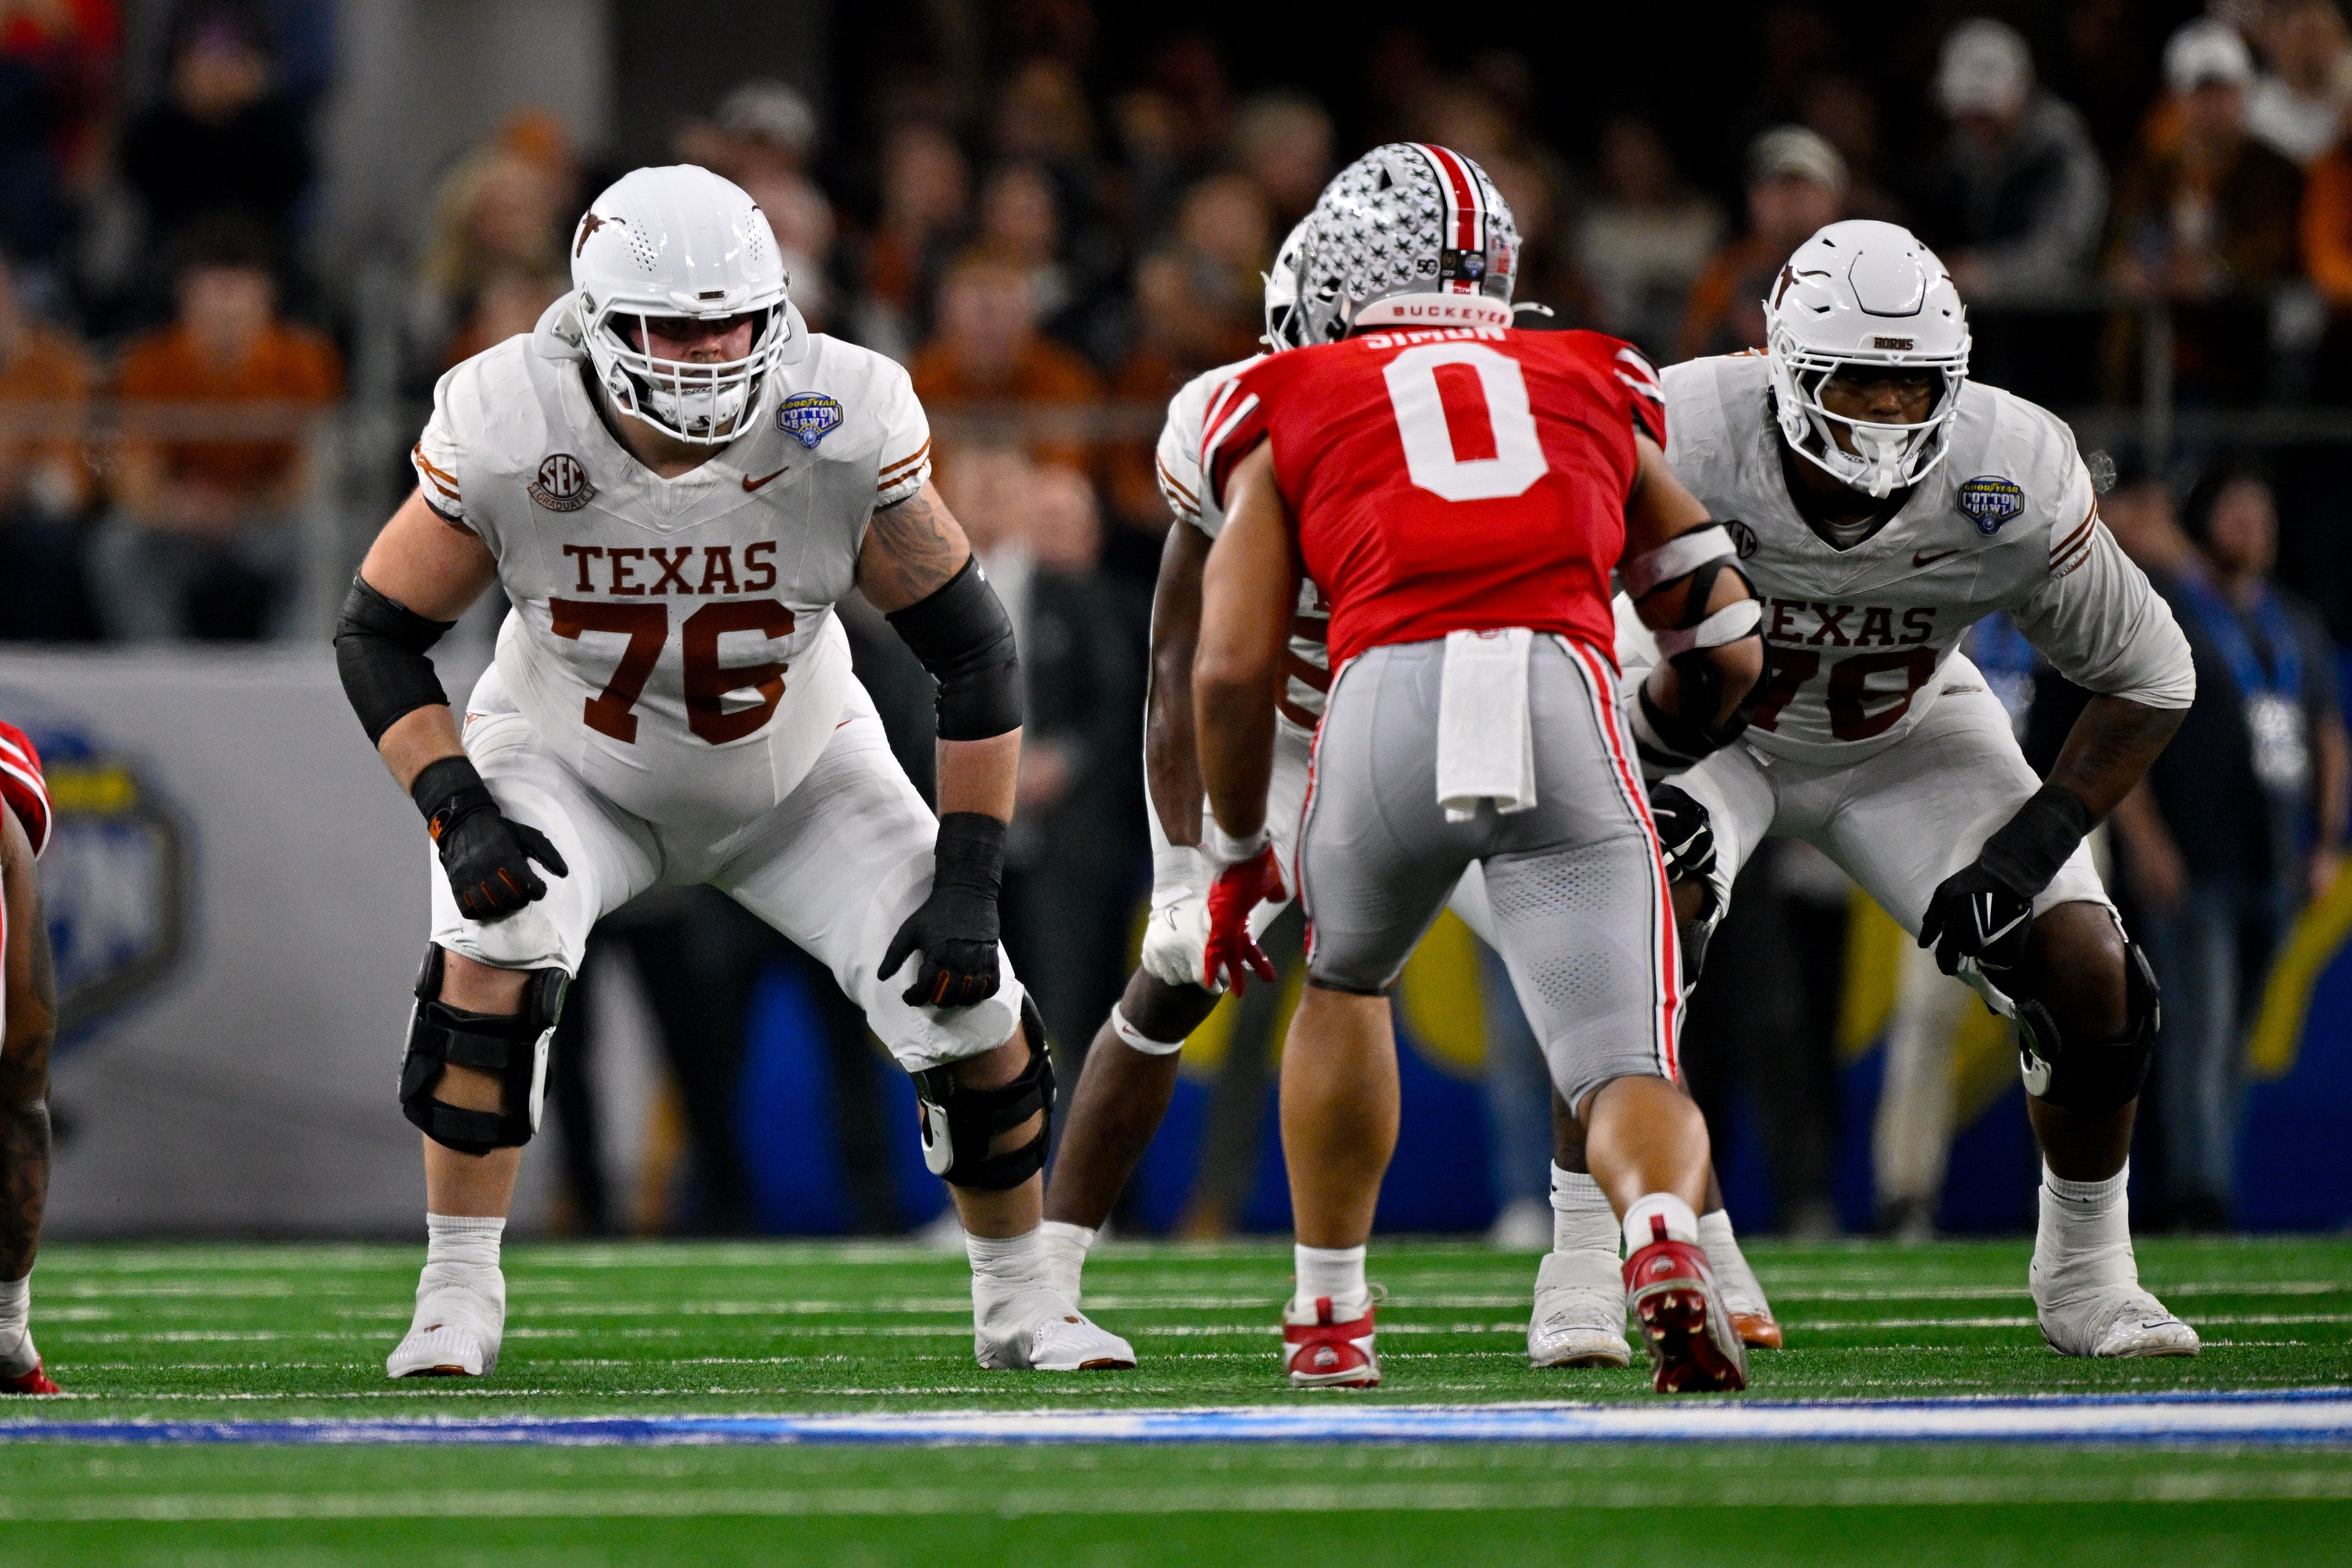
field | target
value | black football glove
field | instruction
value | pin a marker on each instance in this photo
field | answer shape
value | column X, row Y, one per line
column 485, row 858
column 955, row 930
column 1984, row 910
column 1974, row 913
column 1685, row 834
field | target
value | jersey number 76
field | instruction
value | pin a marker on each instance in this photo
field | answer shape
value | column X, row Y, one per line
column 646, row 626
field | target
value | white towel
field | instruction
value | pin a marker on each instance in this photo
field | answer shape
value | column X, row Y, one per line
column 1485, row 744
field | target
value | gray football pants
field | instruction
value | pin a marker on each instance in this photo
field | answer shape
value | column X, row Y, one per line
column 1578, row 892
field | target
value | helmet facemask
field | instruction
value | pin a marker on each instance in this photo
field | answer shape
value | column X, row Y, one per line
column 1885, row 456
column 701, row 402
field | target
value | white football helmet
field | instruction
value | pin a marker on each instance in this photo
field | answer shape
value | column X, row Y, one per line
column 679, row 241
column 1408, row 235
column 1863, row 293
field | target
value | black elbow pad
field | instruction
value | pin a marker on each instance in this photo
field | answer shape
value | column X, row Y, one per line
column 965, row 640
column 380, row 648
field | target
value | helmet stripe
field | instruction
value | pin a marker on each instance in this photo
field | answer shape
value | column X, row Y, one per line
column 1465, row 205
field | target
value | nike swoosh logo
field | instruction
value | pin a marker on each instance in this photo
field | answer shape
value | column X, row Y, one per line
column 751, row 484
column 1918, row 557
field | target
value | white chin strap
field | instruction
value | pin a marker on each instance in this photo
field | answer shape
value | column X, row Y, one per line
column 1882, row 451
column 1882, row 459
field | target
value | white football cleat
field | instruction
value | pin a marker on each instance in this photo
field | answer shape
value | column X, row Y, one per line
column 2115, row 1320
column 2090, row 1303
column 461, row 1316
column 1580, row 1313
column 1039, row 1330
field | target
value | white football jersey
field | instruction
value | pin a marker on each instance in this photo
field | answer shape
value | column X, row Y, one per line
column 675, row 640
column 1308, row 664
column 1855, row 637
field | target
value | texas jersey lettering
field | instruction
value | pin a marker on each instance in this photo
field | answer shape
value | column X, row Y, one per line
column 674, row 639
column 1856, row 639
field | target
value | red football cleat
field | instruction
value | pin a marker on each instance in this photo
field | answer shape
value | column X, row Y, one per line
column 1320, row 1354
column 1670, row 1293
column 34, row 1382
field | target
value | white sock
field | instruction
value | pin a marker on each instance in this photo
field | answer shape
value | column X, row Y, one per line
column 1334, row 1271
column 461, row 1244
column 1581, row 1219
column 1065, row 1246
column 17, row 1355
column 1742, row 1292
column 2085, row 1233
column 1681, row 1225
column 1003, row 1267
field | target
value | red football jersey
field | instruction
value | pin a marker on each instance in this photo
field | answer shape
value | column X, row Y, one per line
column 1459, row 479
column 22, row 785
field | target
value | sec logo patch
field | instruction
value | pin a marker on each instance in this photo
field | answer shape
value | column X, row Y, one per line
column 562, row 484
column 1990, row 500
column 1743, row 538
column 808, row 416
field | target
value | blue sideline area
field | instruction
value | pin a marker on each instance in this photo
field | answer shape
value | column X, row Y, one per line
column 2322, row 1416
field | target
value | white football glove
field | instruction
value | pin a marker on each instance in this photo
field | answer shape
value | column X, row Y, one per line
column 1178, row 934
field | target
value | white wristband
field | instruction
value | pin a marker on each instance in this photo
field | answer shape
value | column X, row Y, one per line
column 1224, row 850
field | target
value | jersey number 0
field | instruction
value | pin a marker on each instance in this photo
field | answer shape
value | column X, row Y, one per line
column 647, row 628
column 1441, row 394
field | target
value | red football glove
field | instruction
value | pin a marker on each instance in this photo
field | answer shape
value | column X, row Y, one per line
column 1232, row 954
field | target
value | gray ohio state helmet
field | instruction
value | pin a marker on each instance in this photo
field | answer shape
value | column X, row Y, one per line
column 1408, row 235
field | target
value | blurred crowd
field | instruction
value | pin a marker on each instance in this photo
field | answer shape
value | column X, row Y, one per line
column 1053, row 256
column 2138, row 201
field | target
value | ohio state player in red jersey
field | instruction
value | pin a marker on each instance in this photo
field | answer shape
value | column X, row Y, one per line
column 28, row 1007
column 1461, row 495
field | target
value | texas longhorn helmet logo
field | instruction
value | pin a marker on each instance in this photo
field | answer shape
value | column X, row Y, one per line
column 588, row 224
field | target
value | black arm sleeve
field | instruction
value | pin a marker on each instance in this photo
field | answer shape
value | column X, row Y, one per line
column 965, row 640
column 380, row 648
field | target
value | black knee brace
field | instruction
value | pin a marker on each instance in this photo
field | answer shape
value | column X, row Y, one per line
column 513, row 1047
column 959, row 1124
column 2093, row 1075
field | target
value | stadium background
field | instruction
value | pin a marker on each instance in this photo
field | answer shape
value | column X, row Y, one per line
column 237, row 891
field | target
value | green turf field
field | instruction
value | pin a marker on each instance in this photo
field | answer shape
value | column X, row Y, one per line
column 234, row 1333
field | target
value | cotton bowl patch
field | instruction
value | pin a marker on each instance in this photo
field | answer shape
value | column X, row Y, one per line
column 807, row 416
column 1991, row 501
